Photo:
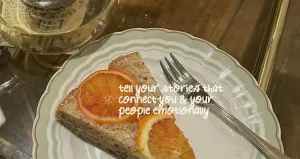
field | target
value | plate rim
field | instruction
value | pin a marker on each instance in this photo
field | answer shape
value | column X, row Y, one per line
column 47, row 90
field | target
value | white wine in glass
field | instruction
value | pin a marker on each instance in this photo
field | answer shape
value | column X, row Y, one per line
column 49, row 29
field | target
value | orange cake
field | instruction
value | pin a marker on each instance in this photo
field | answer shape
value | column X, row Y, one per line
column 91, row 111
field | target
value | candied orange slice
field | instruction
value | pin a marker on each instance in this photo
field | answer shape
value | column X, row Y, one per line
column 160, row 138
column 98, row 97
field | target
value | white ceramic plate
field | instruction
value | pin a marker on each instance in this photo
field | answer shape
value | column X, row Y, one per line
column 210, row 138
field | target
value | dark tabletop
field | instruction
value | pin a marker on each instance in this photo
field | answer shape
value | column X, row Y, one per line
column 284, row 88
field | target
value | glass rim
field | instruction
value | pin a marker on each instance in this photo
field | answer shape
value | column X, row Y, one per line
column 45, row 6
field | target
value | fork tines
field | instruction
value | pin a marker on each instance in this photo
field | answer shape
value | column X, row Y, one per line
column 178, row 72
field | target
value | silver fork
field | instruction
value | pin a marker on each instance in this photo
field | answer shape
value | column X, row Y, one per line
column 179, row 76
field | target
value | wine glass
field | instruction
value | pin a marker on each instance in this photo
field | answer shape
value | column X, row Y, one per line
column 48, row 28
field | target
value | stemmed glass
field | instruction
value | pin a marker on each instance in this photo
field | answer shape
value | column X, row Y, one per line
column 52, row 27
column 8, row 79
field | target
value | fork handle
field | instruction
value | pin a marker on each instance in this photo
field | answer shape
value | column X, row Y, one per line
column 270, row 151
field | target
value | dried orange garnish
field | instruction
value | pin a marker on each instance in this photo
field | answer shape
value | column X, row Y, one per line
column 160, row 138
column 98, row 97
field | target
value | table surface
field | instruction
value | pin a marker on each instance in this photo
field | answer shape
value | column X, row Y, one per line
column 284, row 86
column 235, row 26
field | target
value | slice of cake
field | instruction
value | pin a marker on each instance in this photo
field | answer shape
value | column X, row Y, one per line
column 84, row 112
